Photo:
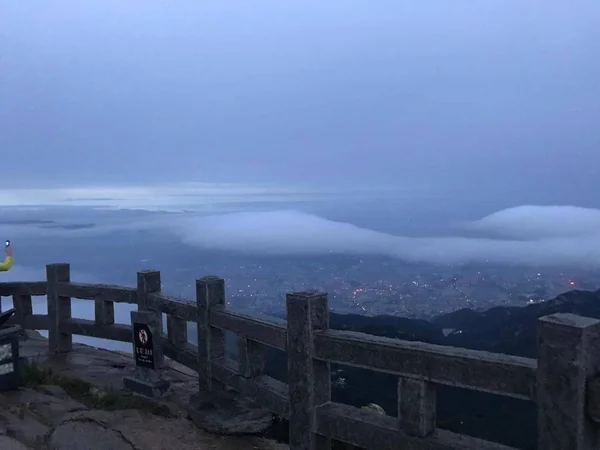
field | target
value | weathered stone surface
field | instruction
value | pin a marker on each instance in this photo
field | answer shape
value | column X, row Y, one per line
column 59, row 307
column 228, row 415
column 7, row 443
column 210, row 292
column 309, row 380
column 117, row 294
column 22, row 287
column 258, row 327
column 495, row 373
column 46, row 417
column 49, row 404
column 21, row 424
column 416, row 407
column 172, row 306
column 568, row 348
column 86, row 435
column 154, row 389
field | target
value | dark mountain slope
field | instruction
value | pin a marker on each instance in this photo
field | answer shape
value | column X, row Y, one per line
column 512, row 330
column 389, row 326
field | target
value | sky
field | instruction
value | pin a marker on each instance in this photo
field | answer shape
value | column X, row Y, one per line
column 431, row 131
column 495, row 99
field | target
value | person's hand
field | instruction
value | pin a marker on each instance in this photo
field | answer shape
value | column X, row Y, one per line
column 8, row 251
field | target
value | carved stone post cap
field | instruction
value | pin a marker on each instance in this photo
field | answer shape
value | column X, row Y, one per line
column 569, row 320
column 305, row 295
column 209, row 279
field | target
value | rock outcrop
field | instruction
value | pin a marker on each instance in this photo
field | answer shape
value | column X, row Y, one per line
column 47, row 417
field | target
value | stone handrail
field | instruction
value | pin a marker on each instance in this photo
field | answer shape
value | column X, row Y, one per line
column 562, row 381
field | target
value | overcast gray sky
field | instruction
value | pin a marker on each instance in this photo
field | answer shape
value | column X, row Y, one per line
column 456, row 97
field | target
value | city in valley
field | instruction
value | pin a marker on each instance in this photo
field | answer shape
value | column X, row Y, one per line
column 380, row 286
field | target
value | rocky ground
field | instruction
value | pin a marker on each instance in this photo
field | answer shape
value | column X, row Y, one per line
column 75, row 402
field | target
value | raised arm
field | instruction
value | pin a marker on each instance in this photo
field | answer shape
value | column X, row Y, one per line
column 8, row 261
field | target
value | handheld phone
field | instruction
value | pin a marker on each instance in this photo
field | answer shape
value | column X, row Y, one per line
column 7, row 243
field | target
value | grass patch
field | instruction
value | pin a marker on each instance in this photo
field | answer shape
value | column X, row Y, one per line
column 86, row 393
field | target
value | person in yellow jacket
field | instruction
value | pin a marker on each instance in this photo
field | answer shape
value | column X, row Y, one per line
column 8, row 261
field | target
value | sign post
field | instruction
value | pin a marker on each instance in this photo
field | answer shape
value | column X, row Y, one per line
column 143, row 346
column 146, row 379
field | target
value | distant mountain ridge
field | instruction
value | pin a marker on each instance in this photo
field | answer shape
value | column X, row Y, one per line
column 512, row 330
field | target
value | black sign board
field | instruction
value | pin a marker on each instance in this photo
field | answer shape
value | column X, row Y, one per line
column 143, row 346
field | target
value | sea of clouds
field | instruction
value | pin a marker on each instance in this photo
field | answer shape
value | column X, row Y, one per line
column 218, row 217
column 224, row 219
column 530, row 235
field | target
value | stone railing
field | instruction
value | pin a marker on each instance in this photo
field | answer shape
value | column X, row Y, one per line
column 562, row 381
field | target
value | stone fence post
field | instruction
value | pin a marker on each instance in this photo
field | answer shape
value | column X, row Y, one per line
column 568, row 356
column 23, row 307
column 59, row 307
column 148, row 281
column 416, row 406
column 210, row 291
column 309, row 380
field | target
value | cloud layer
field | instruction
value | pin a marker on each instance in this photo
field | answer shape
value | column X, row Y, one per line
column 537, row 222
column 160, row 197
column 529, row 235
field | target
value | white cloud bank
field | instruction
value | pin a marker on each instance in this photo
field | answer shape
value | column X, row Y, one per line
column 538, row 222
column 528, row 235
column 532, row 235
